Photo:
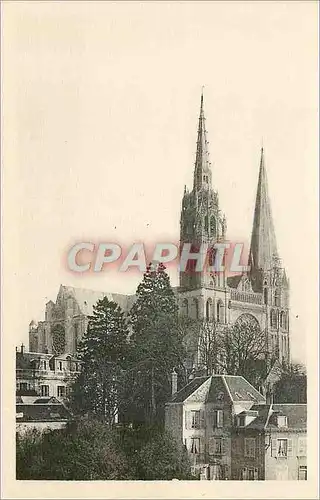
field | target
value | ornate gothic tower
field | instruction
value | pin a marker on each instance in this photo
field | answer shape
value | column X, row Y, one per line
column 201, row 220
column 267, row 274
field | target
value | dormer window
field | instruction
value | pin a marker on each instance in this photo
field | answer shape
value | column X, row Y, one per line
column 238, row 395
column 241, row 421
column 282, row 421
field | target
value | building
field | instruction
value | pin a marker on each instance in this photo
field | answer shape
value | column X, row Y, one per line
column 47, row 375
column 260, row 296
column 66, row 319
column 202, row 415
column 41, row 414
column 270, row 442
column 230, row 432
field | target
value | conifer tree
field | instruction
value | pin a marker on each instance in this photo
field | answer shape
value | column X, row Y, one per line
column 157, row 345
column 103, row 351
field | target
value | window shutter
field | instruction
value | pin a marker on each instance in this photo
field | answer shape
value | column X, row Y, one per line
column 244, row 473
column 214, row 418
column 256, row 475
column 211, row 445
column 187, row 417
column 223, row 446
column 245, row 447
column 201, row 445
column 274, row 451
column 253, row 444
column 302, row 447
column 202, row 419
column 289, row 448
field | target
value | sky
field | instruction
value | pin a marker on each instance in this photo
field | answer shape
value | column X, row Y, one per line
column 101, row 103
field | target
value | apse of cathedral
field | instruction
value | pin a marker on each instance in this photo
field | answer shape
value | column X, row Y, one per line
column 260, row 295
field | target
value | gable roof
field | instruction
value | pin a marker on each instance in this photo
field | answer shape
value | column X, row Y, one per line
column 208, row 389
column 87, row 298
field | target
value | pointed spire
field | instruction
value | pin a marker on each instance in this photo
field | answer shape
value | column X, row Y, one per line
column 263, row 249
column 202, row 171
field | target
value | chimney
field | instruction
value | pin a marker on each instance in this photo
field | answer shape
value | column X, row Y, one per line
column 174, row 382
column 269, row 397
column 22, row 348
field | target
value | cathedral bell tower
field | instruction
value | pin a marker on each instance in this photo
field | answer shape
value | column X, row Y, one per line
column 267, row 273
column 201, row 220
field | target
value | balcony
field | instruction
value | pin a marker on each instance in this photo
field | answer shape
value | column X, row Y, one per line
column 249, row 297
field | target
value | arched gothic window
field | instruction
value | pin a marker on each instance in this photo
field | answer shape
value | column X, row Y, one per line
column 213, row 226
column 194, row 309
column 265, row 295
column 283, row 319
column 277, row 298
column 209, row 310
column 273, row 319
column 220, row 312
column 185, row 307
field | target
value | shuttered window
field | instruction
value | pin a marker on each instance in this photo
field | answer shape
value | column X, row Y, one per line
column 218, row 418
column 194, row 419
column 302, row 447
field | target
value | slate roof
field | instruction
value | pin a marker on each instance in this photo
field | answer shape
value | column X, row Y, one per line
column 86, row 298
column 233, row 281
column 295, row 413
column 207, row 389
column 41, row 411
column 296, row 416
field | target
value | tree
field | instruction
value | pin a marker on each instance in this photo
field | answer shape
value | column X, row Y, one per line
column 292, row 386
column 157, row 343
column 85, row 450
column 162, row 458
column 59, row 339
column 209, row 347
column 244, row 348
column 238, row 349
column 104, row 352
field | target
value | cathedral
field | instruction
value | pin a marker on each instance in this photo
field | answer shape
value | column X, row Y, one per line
column 260, row 295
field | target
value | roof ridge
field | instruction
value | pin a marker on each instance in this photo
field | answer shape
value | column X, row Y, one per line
column 227, row 387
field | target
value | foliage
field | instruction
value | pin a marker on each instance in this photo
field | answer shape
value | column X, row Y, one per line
column 83, row 451
column 239, row 349
column 292, row 386
column 157, row 343
column 104, row 351
column 91, row 450
column 59, row 339
column 163, row 459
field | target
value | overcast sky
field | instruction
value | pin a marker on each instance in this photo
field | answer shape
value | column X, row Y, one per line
column 101, row 108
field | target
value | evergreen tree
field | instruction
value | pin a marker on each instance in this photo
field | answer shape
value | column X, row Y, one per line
column 103, row 351
column 157, row 345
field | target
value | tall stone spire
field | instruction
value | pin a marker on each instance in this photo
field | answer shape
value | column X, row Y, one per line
column 202, row 170
column 263, row 247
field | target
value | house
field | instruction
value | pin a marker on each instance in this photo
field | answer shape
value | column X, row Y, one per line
column 202, row 416
column 41, row 413
column 45, row 375
column 270, row 442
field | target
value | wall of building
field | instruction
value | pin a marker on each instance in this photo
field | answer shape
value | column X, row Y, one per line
column 23, row 427
column 240, row 462
column 284, row 468
column 174, row 420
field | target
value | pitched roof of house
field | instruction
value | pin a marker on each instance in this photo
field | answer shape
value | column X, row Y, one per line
column 44, row 411
column 86, row 298
column 211, row 388
column 296, row 416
